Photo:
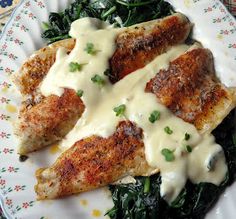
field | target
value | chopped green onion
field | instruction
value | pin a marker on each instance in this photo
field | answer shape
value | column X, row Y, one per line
column 186, row 136
column 188, row 148
column 168, row 154
column 147, row 185
column 155, row 115
column 168, row 130
column 98, row 80
column 90, row 49
column 120, row 110
column 80, row 93
column 75, row 66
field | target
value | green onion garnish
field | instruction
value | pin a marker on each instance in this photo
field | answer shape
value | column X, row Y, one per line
column 168, row 154
column 75, row 66
column 98, row 80
column 154, row 116
column 188, row 148
column 168, row 130
column 80, row 93
column 90, row 49
column 186, row 136
column 120, row 110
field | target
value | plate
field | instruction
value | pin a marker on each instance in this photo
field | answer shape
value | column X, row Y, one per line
column 215, row 28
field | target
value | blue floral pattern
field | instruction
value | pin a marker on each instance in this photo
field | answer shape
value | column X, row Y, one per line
column 5, row 3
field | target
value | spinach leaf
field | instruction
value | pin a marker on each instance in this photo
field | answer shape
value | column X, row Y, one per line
column 132, row 202
column 117, row 12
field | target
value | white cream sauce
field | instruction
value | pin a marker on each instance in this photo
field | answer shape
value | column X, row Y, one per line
column 206, row 162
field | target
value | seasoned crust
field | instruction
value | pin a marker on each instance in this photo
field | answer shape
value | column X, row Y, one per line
column 37, row 66
column 190, row 89
column 94, row 162
column 48, row 121
column 136, row 46
column 140, row 44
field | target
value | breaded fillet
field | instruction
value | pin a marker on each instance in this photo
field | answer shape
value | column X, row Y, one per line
column 189, row 88
column 94, row 162
column 136, row 46
column 37, row 66
column 140, row 44
column 48, row 121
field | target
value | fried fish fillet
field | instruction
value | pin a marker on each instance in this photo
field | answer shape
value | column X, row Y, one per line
column 48, row 121
column 189, row 88
column 32, row 72
column 94, row 162
column 140, row 44
column 136, row 46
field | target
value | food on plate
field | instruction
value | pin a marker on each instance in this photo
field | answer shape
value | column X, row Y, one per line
column 135, row 47
column 48, row 121
column 133, row 101
column 191, row 90
column 35, row 68
column 94, row 162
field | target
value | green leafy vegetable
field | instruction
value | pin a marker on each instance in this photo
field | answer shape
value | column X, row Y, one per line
column 142, row 200
column 130, row 200
column 179, row 201
column 45, row 26
column 168, row 130
column 168, row 154
column 80, row 93
column 120, row 110
column 129, row 12
column 97, row 79
column 147, row 185
column 75, row 66
column 134, row 4
column 155, row 115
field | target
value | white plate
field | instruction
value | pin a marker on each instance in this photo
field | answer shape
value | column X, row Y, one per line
column 214, row 27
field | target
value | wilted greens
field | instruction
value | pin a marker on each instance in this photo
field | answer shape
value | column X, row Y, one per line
column 142, row 200
column 132, row 202
column 117, row 12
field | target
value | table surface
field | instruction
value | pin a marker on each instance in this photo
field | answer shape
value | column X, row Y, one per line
column 7, row 5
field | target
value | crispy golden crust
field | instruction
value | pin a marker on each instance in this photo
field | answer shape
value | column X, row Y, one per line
column 133, row 46
column 139, row 45
column 37, row 66
column 136, row 46
column 94, row 162
column 48, row 121
column 190, row 89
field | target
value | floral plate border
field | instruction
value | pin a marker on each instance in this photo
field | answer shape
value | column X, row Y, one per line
column 19, row 39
